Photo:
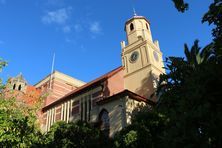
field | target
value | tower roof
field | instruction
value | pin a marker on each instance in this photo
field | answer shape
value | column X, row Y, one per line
column 19, row 78
column 135, row 17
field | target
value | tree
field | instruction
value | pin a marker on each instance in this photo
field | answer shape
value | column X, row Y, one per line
column 147, row 130
column 17, row 122
column 213, row 17
column 190, row 92
column 16, row 127
column 180, row 5
column 79, row 134
column 196, row 56
column 190, row 98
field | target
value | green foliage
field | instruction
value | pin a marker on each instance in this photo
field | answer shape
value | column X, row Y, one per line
column 16, row 128
column 17, row 122
column 190, row 98
column 2, row 64
column 180, row 5
column 195, row 55
column 130, row 138
column 147, row 130
column 79, row 134
column 214, row 16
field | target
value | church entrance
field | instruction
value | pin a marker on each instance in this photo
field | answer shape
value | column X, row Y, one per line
column 104, row 122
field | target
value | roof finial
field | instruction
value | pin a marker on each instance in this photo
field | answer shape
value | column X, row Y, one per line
column 134, row 12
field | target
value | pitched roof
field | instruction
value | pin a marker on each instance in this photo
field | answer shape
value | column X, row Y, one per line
column 53, row 75
column 126, row 92
column 84, row 87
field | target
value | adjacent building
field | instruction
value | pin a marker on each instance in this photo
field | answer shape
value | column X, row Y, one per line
column 18, row 88
column 56, row 85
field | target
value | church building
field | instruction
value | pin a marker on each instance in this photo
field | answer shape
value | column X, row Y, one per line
column 108, row 101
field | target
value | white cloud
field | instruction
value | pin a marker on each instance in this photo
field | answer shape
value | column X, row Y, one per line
column 78, row 28
column 59, row 16
column 66, row 29
column 70, row 40
column 62, row 19
column 95, row 27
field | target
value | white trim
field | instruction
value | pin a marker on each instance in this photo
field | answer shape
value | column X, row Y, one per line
column 62, row 108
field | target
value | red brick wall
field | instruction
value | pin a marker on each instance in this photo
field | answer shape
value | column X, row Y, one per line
column 59, row 89
column 114, row 84
column 58, row 113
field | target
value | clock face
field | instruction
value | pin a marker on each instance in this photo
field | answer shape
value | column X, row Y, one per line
column 134, row 56
column 155, row 55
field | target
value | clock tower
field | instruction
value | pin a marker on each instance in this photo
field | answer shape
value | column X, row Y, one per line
column 141, row 57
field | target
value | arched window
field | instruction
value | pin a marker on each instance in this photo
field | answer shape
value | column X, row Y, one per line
column 14, row 86
column 104, row 122
column 147, row 27
column 131, row 27
column 20, row 87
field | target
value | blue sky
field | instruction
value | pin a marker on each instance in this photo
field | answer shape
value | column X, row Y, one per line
column 86, row 34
